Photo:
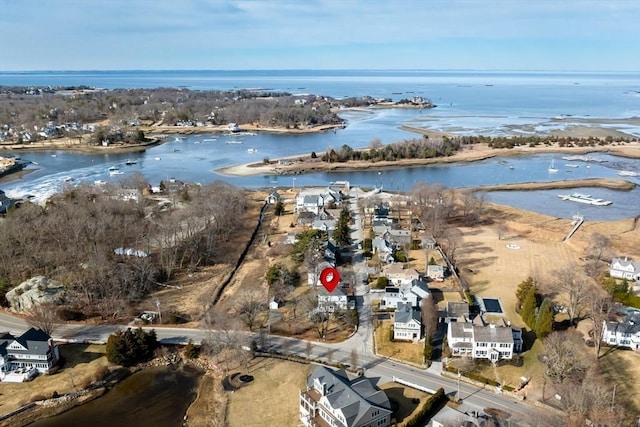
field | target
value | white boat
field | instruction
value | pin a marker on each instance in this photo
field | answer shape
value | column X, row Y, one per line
column 114, row 170
column 54, row 155
column 234, row 141
column 570, row 165
column 67, row 179
column 130, row 162
column 628, row 173
column 585, row 198
column 157, row 158
column 99, row 182
column 552, row 168
column 252, row 150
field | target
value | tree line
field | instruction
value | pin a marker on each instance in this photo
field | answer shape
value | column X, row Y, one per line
column 168, row 106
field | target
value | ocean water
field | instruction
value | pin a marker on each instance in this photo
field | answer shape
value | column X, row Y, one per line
column 468, row 102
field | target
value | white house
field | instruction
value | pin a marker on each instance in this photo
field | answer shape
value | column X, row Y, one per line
column 273, row 198
column 625, row 333
column 411, row 293
column 407, row 323
column 328, row 302
column 383, row 248
column 484, row 342
column 624, row 268
column 435, row 272
column 32, row 350
column 332, row 399
column 309, row 203
column 398, row 275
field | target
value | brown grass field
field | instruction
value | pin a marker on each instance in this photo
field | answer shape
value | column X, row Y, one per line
column 404, row 397
column 494, row 270
column 406, row 351
column 272, row 398
column 81, row 363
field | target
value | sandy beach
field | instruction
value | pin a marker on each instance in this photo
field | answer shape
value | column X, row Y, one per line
column 80, row 145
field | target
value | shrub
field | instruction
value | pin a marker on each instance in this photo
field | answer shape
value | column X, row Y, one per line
column 191, row 351
column 129, row 347
column 382, row 282
column 70, row 314
column 400, row 256
column 415, row 245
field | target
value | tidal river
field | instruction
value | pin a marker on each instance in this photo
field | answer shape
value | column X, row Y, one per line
column 153, row 397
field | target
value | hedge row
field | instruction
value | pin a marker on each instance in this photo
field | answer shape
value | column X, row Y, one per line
column 429, row 408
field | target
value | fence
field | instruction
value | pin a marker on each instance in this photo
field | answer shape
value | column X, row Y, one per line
column 412, row 385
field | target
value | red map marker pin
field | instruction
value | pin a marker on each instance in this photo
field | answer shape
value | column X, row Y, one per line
column 330, row 277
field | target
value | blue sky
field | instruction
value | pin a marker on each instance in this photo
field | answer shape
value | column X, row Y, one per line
column 564, row 35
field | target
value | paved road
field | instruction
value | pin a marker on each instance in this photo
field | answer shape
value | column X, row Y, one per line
column 382, row 369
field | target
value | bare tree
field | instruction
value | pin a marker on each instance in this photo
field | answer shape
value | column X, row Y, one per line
column 320, row 322
column 429, row 316
column 250, row 308
column 313, row 257
column 564, row 357
column 472, row 205
column 600, row 309
column 43, row 317
column 598, row 247
column 576, row 288
column 452, row 242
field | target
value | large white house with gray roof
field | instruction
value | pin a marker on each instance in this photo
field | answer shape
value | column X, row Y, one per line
column 625, row 268
column 491, row 341
column 625, row 333
column 331, row 399
column 32, row 350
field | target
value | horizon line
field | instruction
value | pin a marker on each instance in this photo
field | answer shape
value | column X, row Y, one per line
column 493, row 70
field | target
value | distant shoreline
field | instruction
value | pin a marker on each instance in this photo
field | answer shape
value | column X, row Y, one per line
column 304, row 164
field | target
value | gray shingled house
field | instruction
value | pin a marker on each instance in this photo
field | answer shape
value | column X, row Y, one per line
column 33, row 349
column 332, row 399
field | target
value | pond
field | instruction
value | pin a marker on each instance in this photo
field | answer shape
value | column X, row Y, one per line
column 152, row 397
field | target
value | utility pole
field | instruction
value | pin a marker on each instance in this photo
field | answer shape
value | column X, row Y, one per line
column 159, row 310
column 458, row 395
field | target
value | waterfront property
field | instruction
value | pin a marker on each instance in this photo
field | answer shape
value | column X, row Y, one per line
column 624, row 268
column 332, row 399
column 24, row 356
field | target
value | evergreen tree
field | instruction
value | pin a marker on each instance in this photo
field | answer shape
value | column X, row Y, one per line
column 341, row 234
column 523, row 290
column 278, row 208
column 544, row 320
column 529, row 305
column 127, row 348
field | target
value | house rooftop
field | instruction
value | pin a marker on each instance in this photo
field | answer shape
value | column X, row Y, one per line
column 405, row 312
column 353, row 397
column 492, row 333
